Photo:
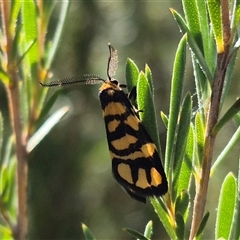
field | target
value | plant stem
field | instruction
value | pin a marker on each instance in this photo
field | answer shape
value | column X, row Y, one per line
column 21, row 154
column 212, row 118
column 12, row 89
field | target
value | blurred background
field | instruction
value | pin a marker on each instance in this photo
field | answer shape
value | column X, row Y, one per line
column 70, row 171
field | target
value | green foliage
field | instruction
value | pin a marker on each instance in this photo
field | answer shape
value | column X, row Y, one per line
column 175, row 103
column 26, row 57
column 187, row 144
column 87, row 233
column 226, row 206
column 147, row 233
column 24, row 63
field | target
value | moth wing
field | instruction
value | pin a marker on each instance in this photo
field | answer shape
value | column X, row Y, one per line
column 136, row 164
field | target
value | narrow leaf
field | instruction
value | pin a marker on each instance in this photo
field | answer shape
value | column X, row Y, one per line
column 87, row 233
column 45, row 128
column 4, row 77
column 235, row 15
column 181, row 142
column 236, row 221
column 162, row 213
column 180, row 226
column 148, row 75
column 227, row 116
column 194, row 46
column 47, row 106
column 182, row 203
column 214, row 9
column 199, row 129
column 228, row 79
column 1, row 137
column 226, row 207
column 176, row 95
column 202, row 226
column 164, row 119
column 148, row 230
column 6, row 232
column 192, row 17
column 4, row 177
column 29, row 15
column 184, row 180
column 228, row 148
column 205, row 31
column 135, row 234
column 131, row 73
column 146, row 104
column 55, row 41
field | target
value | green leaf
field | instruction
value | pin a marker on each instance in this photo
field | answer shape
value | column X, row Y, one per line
column 230, row 70
column 226, row 207
column 181, row 142
column 29, row 57
column 7, row 185
column 148, row 230
column 228, row 148
column 175, row 100
column 26, row 49
column 186, row 169
column 15, row 44
column 165, row 218
column 192, row 17
column 164, row 119
column 146, row 104
column 48, row 105
column 231, row 112
column 87, row 233
column 180, row 226
column 45, row 128
column 235, row 15
column 55, row 41
column 4, row 177
column 202, row 226
column 214, row 10
column 182, row 203
column 236, row 221
column 15, row 8
column 8, row 151
column 203, row 86
column 29, row 17
column 197, row 21
column 132, row 73
column 4, row 77
column 237, row 119
column 199, row 129
column 193, row 44
column 148, row 75
column 5, row 232
column 11, row 192
column 135, row 233
column 1, row 137
column 204, row 31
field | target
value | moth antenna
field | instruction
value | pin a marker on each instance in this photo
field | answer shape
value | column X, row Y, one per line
column 112, row 62
column 87, row 79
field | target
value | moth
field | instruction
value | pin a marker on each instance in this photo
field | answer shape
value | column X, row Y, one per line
column 136, row 164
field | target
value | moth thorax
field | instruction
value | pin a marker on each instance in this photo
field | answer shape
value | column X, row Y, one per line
column 110, row 91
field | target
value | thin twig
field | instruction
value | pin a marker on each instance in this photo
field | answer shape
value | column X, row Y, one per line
column 12, row 89
column 202, row 188
column 212, row 118
column 14, row 99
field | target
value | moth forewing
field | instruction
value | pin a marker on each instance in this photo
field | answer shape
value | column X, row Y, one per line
column 135, row 161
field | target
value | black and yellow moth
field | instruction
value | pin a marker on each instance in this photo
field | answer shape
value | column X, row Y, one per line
column 136, row 164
